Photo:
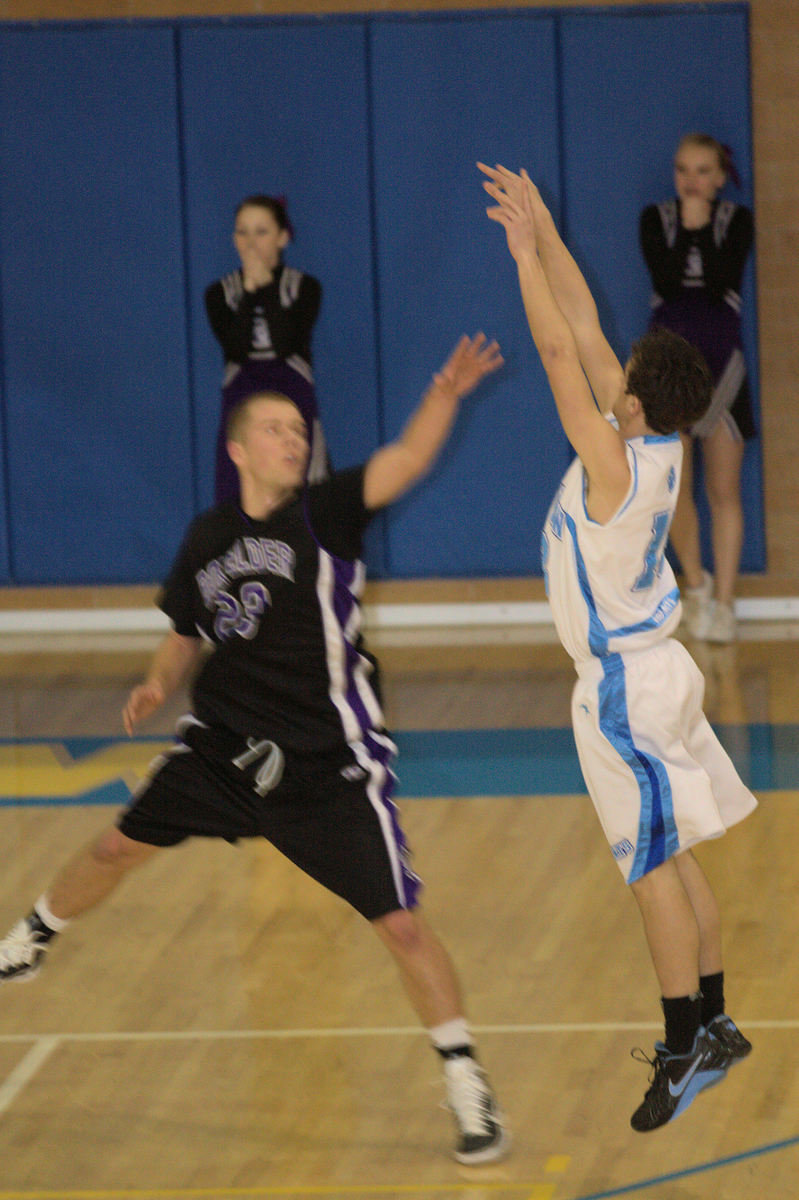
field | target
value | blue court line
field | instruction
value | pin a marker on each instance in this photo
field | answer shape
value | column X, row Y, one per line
column 523, row 762
column 656, row 1180
column 115, row 792
column 480, row 762
column 487, row 762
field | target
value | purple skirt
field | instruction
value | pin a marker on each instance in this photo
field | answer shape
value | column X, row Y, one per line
column 264, row 375
column 715, row 329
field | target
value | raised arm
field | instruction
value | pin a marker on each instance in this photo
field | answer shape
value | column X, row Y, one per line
column 171, row 664
column 394, row 468
column 598, row 444
column 569, row 290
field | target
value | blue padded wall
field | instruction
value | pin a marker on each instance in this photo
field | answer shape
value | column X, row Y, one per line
column 124, row 149
column 305, row 136
column 448, row 92
column 94, row 346
column 633, row 83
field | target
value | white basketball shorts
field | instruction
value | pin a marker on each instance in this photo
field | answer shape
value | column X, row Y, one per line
column 658, row 776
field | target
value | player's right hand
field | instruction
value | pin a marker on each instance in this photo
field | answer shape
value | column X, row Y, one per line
column 142, row 702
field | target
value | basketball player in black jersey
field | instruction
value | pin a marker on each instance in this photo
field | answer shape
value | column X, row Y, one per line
column 285, row 739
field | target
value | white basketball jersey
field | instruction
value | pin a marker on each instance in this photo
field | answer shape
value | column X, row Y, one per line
column 609, row 586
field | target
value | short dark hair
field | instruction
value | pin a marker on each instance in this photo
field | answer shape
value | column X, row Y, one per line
column 671, row 379
column 237, row 416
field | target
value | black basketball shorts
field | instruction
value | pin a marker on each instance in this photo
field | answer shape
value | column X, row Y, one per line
column 331, row 815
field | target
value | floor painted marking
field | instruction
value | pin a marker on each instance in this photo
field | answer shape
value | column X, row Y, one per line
column 656, row 1180
column 24, row 1071
column 533, row 1191
column 448, row 762
column 556, row 1164
column 200, row 1035
column 540, row 1191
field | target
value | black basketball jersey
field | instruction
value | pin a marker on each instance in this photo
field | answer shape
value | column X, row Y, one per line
column 279, row 600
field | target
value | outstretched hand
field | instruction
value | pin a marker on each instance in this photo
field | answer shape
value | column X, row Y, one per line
column 502, row 178
column 470, row 361
column 396, row 466
column 516, row 197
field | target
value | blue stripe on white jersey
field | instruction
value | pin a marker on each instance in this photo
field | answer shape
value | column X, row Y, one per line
column 609, row 585
column 597, row 634
column 658, row 838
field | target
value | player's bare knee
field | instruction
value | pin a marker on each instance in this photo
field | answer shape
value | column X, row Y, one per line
column 113, row 850
column 649, row 888
column 401, row 931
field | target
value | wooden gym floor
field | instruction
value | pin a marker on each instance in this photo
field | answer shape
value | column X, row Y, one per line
column 224, row 1028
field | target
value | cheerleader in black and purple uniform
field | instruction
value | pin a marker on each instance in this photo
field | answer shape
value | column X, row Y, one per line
column 262, row 315
column 696, row 246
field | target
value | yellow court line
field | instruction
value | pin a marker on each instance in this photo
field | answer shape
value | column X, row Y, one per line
column 531, row 1191
column 46, row 769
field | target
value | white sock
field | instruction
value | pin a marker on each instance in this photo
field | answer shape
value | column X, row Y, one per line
column 450, row 1034
column 42, row 910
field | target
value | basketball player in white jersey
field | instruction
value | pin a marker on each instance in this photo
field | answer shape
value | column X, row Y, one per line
column 657, row 775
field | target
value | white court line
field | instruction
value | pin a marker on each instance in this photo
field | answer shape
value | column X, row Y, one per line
column 207, row 1035
column 24, row 1071
column 45, row 1044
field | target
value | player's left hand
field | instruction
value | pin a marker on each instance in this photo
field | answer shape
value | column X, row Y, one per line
column 470, row 361
column 515, row 196
column 502, row 178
